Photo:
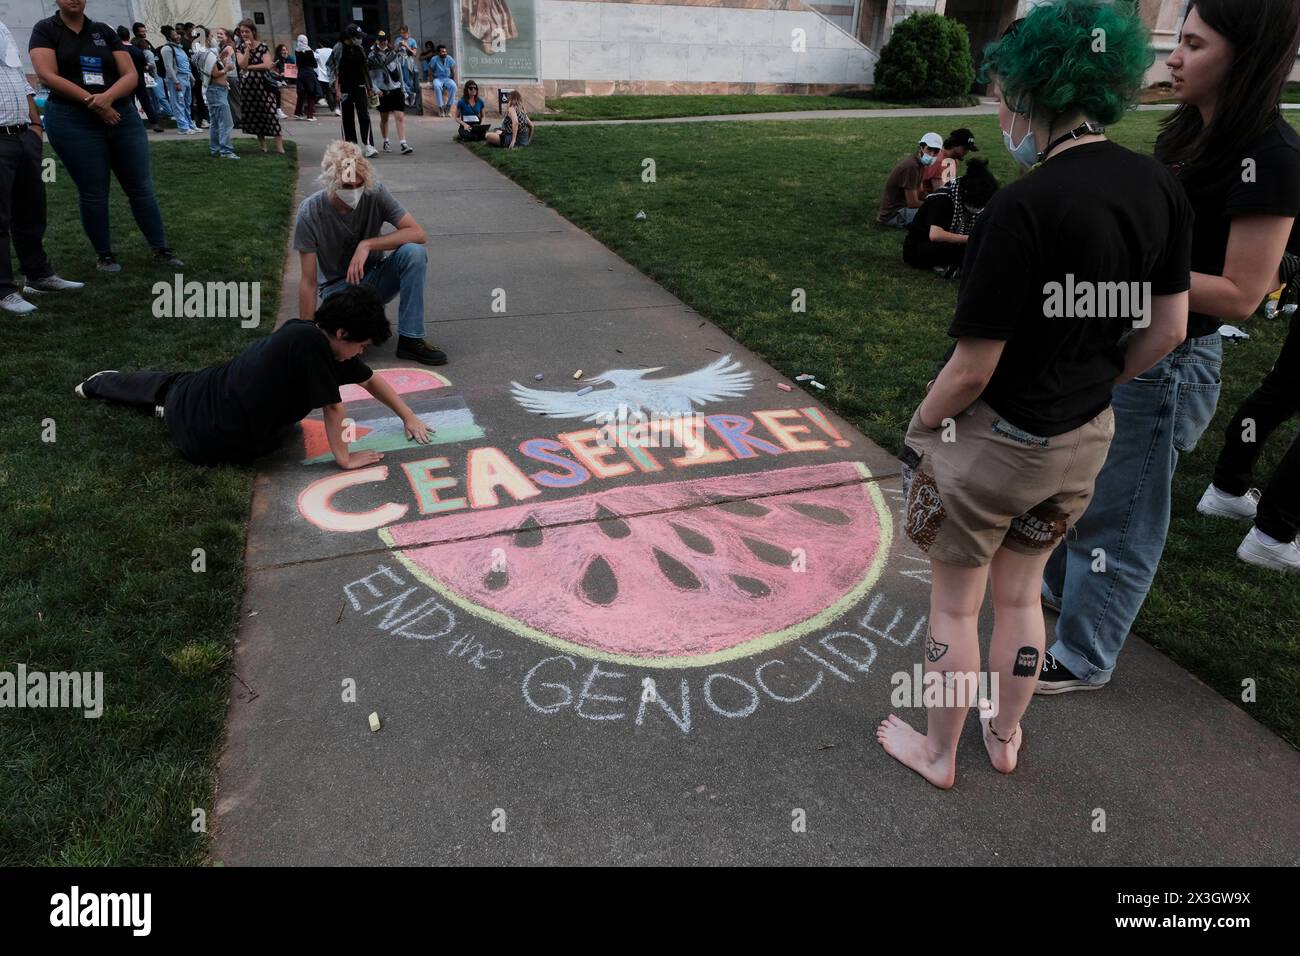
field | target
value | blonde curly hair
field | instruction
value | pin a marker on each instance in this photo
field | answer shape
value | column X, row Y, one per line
column 342, row 158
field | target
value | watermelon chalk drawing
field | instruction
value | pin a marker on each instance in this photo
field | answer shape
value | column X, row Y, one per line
column 678, row 574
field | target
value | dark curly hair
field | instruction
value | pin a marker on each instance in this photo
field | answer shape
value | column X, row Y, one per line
column 359, row 312
column 1073, row 57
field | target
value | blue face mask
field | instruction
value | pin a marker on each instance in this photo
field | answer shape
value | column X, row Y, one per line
column 927, row 159
column 1026, row 153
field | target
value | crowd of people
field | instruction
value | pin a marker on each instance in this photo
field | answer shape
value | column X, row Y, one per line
column 1042, row 457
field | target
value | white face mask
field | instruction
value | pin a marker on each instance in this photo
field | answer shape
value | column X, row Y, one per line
column 350, row 196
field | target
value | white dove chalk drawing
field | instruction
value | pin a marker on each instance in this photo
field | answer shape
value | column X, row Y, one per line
column 666, row 397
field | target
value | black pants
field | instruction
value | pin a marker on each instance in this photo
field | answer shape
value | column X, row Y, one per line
column 356, row 115
column 198, row 107
column 308, row 93
column 1271, row 405
column 927, row 255
column 145, row 390
column 22, row 209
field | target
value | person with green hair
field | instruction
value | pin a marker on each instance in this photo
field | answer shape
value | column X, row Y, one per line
column 1075, row 278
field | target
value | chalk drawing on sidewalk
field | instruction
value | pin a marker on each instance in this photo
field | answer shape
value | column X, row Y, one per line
column 376, row 428
column 630, row 390
column 645, row 575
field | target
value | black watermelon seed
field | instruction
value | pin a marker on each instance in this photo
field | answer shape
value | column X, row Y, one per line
column 530, row 534
column 822, row 513
column 611, row 524
column 693, row 539
column 751, row 586
column 746, row 509
column 496, row 580
column 676, row 572
column 768, row 553
column 598, row 582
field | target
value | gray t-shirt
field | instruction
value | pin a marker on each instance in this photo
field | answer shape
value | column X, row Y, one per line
column 334, row 236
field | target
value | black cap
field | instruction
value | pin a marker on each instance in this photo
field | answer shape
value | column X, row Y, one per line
column 354, row 30
column 962, row 137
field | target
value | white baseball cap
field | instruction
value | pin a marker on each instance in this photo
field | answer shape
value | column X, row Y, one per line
column 933, row 140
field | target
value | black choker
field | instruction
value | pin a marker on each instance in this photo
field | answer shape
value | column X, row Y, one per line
column 1087, row 128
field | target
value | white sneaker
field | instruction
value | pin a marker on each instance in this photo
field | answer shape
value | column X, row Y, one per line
column 337, row 111
column 52, row 283
column 280, row 114
column 15, row 303
column 80, row 390
column 1261, row 550
column 371, row 151
column 1220, row 505
column 387, row 148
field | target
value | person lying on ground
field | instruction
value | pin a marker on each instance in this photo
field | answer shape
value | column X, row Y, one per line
column 245, row 408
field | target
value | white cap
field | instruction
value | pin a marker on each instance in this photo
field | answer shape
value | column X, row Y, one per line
column 933, row 140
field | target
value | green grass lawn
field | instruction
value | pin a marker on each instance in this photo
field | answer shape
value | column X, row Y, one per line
column 744, row 213
column 660, row 107
column 100, row 524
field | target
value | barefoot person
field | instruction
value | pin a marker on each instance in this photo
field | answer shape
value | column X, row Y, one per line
column 1001, row 455
column 243, row 409
column 1238, row 161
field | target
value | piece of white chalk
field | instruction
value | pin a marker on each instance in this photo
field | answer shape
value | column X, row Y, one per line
column 818, row 384
column 374, row 722
column 578, row 374
column 804, row 377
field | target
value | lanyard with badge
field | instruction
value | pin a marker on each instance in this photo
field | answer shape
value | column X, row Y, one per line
column 92, row 67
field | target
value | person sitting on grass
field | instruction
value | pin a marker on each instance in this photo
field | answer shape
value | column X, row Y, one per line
column 516, row 128
column 902, row 196
column 937, row 237
column 339, row 243
column 959, row 144
column 468, row 112
column 243, row 409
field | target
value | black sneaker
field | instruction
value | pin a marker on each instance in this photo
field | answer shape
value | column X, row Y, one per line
column 165, row 257
column 1056, row 678
column 419, row 351
column 108, row 263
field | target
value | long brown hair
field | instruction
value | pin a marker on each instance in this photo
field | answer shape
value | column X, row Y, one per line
column 1264, row 35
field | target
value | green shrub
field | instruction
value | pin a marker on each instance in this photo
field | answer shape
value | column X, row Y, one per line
column 927, row 58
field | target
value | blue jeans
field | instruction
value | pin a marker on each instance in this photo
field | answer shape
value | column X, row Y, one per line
column 91, row 149
column 1158, row 416
column 160, row 101
column 219, row 118
column 179, row 101
column 400, row 273
column 448, row 84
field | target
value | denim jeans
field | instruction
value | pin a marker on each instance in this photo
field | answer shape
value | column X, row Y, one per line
column 448, row 85
column 400, row 273
column 179, row 101
column 218, row 100
column 91, row 149
column 1158, row 416
column 160, row 101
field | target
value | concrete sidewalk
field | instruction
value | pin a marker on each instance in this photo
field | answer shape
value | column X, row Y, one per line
column 653, row 657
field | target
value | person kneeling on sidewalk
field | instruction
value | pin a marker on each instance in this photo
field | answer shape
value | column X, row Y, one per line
column 243, row 409
column 338, row 239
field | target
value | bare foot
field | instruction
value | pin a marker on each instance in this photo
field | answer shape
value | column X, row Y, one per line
column 1003, row 755
column 911, row 749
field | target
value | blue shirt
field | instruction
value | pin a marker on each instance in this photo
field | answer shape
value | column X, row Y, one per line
column 466, row 110
column 442, row 68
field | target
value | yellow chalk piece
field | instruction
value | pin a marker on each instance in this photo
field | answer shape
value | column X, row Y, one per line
column 374, row 722
column 578, row 374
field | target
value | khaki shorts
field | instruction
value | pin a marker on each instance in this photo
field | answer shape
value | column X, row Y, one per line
column 997, row 486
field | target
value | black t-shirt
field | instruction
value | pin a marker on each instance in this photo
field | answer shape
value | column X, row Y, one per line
column 353, row 70
column 1093, row 214
column 85, row 58
column 1219, row 194
column 137, row 58
column 935, row 211
column 240, row 410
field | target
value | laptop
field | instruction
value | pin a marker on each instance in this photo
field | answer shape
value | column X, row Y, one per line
column 477, row 130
